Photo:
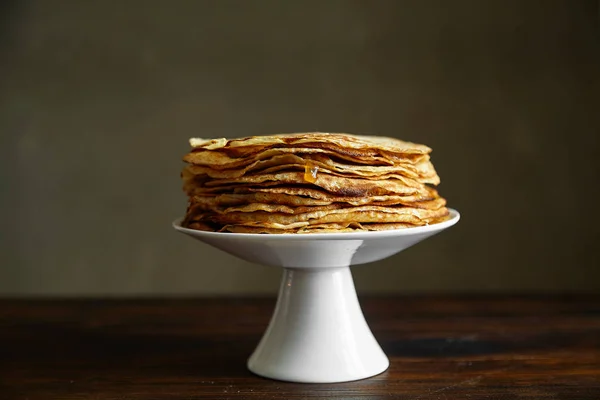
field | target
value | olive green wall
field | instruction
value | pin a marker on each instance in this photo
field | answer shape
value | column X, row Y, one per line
column 98, row 99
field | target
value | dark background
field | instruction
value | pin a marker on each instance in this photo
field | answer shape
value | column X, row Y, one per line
column 98, row 99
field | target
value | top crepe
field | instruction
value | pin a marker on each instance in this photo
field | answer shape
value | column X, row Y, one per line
column 318, row 139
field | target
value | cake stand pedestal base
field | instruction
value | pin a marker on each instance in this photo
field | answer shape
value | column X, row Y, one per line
column 318, row 332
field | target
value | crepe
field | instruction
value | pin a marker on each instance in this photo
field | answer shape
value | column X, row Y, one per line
column 310, row 183
column 344, row 142
column 224, row 160
column 366, row 214
column 423, row 171
column 322, row 228
column 204, row 205
column 426, row 193
column 323, row 199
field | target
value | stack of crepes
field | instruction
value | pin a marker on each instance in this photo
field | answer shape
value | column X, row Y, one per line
column 310, row 183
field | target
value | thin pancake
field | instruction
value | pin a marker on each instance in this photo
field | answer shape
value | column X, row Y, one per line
column 319, row 228
column 221, row 160
column 426, row 193
column 261, row 202
column 331, row 183
column 322, row 228
column 316, row 170
column 340, row 140
column 357, row 214
column 360, row 190
column 423, row 171
column 237, row 199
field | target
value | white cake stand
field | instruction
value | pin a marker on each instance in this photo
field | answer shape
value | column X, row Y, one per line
column 318, row 333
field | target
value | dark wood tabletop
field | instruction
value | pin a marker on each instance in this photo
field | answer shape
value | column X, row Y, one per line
column 528, row 347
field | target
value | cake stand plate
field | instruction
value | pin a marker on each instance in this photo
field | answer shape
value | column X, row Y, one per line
column 318, row 333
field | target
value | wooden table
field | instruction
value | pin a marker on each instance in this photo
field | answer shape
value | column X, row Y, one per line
column 440, row 348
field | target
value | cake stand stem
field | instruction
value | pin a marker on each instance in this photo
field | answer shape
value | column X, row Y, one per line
column 317, row 332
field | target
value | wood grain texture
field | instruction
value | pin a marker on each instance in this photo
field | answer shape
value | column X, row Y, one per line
column 440, row 348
